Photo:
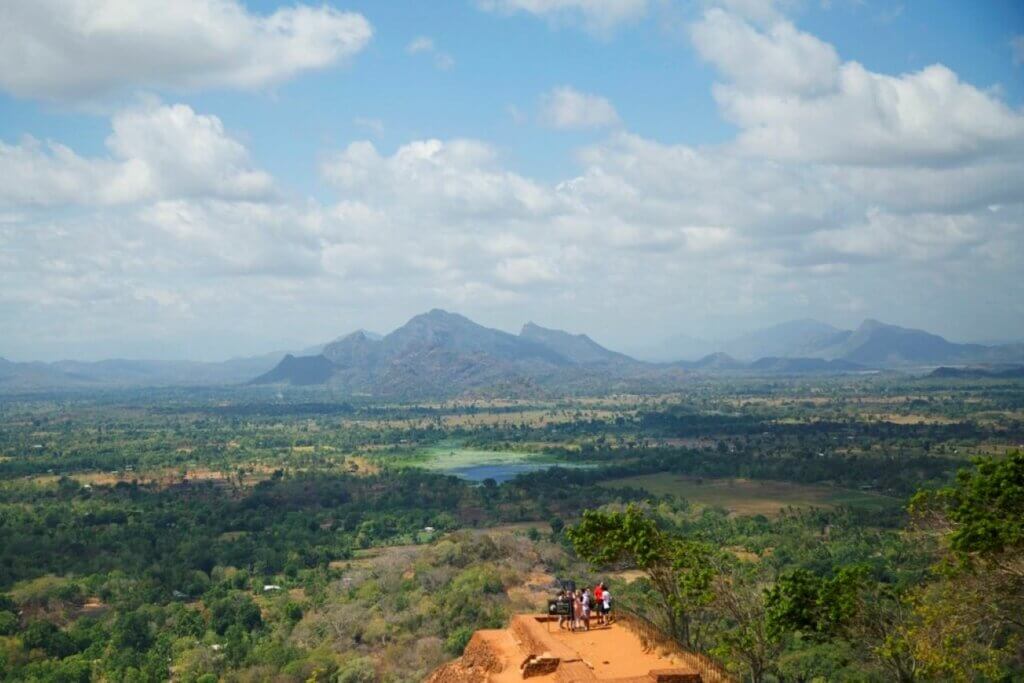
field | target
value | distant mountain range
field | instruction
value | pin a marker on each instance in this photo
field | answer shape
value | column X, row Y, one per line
column 71, row 374
column 872, row 344
column 442, row 353
column 796, row 338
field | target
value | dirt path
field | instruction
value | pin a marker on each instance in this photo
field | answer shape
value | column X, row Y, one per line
column 512, row 656
column 615, row 652
column 606, row 653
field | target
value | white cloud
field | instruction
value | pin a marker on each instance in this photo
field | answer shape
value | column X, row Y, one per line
column 596, row 16
column 79, row 49
column 925, row 238
column 423, row 45
column 778, row 60
column 526, row 271
column 236, row 238
column 459, row 178
column 177, row 232
column 156, row 152
column 793, row 99
column 644, row 229
column 566, row 107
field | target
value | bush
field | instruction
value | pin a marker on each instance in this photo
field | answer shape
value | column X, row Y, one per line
column 358, row 670
column 458, row 639
column 8, row 623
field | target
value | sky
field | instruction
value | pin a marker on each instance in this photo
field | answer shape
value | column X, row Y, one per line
column 217, row 178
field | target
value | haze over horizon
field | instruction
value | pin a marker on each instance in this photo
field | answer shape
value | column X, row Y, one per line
column 242, row 177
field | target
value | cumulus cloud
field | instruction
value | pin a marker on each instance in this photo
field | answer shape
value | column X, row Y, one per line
column 156, row 152
column 457, row 178
column 644, row 228
column 565, row 107
column 235, row 238
column 597, row 16
column 526, row 270
column 923, row 237
column 794, row 99
column 176, row 230
column 75, row 49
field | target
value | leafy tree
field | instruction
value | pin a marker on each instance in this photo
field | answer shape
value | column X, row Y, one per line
column 8, row 623
column 970, row 622
column 680, row 570
column 357, row 670
column 847, row 606
column 46, row 636
column 802, row 601
column 132, row 632
column 749, row 637
column 458, row 639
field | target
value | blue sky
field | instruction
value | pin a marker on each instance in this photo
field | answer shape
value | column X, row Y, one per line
column 630, row 168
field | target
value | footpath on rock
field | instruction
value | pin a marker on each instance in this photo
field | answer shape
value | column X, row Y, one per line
column 535, row 648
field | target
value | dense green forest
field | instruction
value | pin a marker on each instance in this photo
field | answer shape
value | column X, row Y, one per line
column 240, row 535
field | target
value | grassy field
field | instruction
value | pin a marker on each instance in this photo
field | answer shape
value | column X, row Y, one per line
column 750, row 497
column 447, row 457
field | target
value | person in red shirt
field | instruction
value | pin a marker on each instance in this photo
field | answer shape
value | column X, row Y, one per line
column 599, row 602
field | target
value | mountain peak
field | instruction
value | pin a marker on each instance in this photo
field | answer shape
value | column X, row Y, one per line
column 441, row 314
column 359, row 334
column 873, row 324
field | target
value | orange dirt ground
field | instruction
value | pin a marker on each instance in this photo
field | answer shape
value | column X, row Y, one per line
column 603, row 654
column 614, row 652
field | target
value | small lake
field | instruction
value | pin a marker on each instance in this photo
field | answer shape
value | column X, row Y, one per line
column 500, row 472
column 475, row 465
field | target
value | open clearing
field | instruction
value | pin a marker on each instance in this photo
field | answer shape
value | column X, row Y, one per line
column 446, row 458
column 751, row 497
column 477, row 464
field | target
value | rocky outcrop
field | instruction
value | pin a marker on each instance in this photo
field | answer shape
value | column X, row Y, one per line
column 534, row 648
column 480, row 658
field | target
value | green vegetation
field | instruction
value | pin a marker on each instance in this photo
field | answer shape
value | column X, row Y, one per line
column 451, row 456
column 753, row 497
column 887, row 616
column 237, row 535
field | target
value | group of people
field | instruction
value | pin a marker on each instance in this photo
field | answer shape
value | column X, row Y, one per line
column 582, row 603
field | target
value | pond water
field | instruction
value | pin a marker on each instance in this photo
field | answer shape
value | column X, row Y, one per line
column 475, row 465
column 502, row 472
column 499, row 472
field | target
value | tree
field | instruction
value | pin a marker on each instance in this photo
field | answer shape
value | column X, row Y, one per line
column 680, row 570
column 849, row 606
column 8, row 623
column 132, row 632
column 975, row 609
column 357, row 670
column 47, row 637
column 751, row 639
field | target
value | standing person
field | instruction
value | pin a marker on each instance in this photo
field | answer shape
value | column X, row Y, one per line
column 564, row 620
column 587, row 601
column 599, row 604
column 578, row 610
column 606, row 603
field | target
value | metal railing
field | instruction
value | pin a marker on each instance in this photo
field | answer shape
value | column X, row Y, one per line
column 653, row 636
